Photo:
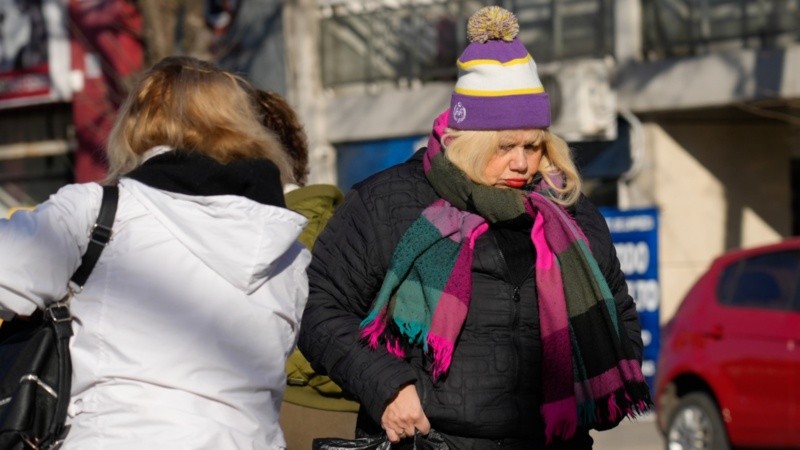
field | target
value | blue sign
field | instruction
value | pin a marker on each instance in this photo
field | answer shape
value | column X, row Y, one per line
column 358, row 160
column 635, row 236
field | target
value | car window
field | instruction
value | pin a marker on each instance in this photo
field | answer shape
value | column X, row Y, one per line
column 767, row 281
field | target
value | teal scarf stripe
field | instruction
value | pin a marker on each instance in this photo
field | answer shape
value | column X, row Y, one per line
column 411, row 324
column 390, row 281
column 418, row 239
column 421, row 266
column 426, row 281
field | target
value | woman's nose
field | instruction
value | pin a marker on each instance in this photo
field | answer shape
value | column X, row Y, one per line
column 518, row 161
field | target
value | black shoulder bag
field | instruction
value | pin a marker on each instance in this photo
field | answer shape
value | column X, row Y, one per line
column 35, row 365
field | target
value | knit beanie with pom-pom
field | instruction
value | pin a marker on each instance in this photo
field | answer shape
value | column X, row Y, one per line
column 498, row 87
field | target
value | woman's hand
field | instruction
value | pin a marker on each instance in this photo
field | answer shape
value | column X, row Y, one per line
column 404, row 415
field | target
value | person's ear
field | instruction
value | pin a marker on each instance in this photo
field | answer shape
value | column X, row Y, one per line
column 446, row 140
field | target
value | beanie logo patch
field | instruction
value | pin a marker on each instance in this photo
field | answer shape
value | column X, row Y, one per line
column 459, row 113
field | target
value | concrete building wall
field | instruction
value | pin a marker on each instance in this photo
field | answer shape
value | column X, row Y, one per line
column 718, row 186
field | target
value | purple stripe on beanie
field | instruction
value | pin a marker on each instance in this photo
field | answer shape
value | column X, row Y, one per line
column 511, row 112
column 497, row 50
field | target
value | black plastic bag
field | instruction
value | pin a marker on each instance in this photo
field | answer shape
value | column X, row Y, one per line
column 367, row 443
column 433, row 441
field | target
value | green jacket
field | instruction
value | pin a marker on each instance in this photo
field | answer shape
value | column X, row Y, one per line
column 304, row 387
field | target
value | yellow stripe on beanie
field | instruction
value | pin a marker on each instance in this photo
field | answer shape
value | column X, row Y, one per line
column 486, row 93
column 479, row 62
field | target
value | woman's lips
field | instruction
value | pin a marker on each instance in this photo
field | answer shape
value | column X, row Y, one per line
column 515, row 182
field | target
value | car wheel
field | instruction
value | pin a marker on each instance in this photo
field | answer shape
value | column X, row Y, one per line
column 695, row 424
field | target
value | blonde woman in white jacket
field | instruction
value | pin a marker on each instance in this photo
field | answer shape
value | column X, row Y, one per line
column 184, row 326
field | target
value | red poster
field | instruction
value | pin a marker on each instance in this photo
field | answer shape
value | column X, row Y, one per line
column 106, row 53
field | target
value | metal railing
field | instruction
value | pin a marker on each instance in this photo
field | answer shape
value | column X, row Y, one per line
column 675, row 28
column 370, row 41
column 365, row 41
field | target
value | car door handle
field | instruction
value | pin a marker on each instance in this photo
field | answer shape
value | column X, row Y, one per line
column 715, row 332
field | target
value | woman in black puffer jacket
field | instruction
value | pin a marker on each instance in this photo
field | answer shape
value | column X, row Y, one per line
column 472, row 289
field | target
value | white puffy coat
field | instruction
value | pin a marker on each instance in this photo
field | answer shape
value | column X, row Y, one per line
column 183, row 328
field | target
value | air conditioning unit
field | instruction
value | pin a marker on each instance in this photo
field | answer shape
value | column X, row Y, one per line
column 583, row 104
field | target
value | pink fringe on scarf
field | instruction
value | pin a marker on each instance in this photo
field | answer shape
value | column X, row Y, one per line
column 442, row 350
column 614, row 411
column 394, row 347
column 373, row 332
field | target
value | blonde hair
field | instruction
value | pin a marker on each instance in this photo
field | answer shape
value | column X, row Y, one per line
column 191, row 105
column 471, row 150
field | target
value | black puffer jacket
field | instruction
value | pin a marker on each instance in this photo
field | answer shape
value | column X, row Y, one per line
column 492, row 390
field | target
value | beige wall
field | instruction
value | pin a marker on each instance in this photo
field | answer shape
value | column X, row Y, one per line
column 718, row 186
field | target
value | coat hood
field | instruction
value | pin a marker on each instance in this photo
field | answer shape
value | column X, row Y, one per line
column 238, row 238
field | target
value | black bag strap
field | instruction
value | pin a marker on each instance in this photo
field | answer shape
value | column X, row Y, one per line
column 58, row 314
column 100, row 235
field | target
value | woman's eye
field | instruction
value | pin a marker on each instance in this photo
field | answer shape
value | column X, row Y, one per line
column 506, row 147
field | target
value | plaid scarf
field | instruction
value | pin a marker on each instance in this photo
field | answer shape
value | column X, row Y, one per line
column 590, row 375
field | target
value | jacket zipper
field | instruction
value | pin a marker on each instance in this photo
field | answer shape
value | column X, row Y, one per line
column 516, row 298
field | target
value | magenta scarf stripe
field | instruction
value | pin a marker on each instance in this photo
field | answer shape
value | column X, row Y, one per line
column 559, row 363
column 553, row 314
column 446, row 319
column 560, row 233
column 450, row 313
column 560, row 419
column 454, row 301
column 608, row 382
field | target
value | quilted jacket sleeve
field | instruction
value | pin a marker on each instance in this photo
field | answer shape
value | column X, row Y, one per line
column 596, row 230
column 347, row 269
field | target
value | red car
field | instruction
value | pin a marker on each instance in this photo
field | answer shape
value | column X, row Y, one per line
column 729, row 370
